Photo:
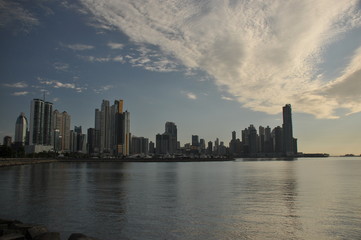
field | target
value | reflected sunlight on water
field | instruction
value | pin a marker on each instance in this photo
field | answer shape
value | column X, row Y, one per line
column 302, row 199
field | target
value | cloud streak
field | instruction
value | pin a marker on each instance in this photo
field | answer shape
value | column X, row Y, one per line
column 13, row 15
column 263, row 53
column 79, row 47
column 23, row 93
column 58, row 84
column 16, row 85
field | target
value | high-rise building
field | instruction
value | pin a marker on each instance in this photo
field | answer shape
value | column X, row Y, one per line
column 139, row 145
column 288, row 140
column 171, row 130
column 61, row 130
column 113, row 126
column 7, row 141
column 40, row 122
column 195, row 140
column 21, row 130
column 93, row 141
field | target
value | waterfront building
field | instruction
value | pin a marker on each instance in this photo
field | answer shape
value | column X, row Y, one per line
column 278, row 140
column 21, row 130
column 113, row 126
column 253, row 140
column 93, row 141
column 195, row 141
column 40, row 122
column 151, row 147
column 61, row 130
column 171, row 130
column 289, row 147
column 7, row 141
column 166, row 143
column 139, row 145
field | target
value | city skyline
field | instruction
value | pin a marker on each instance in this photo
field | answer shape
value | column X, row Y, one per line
column 111, row 135
column 211, row 67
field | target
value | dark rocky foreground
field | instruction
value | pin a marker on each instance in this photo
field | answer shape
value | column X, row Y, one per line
column 16, row 230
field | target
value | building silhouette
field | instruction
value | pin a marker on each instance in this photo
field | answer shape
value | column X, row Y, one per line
column 40, row 122
column 21, row 130
column 112, row 129
column 289, row 143
column 166, row 143
column 61, row 131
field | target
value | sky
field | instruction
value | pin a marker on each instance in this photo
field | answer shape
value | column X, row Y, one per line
column 210, row 66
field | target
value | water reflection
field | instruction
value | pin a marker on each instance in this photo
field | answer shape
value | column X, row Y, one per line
column 218, row 200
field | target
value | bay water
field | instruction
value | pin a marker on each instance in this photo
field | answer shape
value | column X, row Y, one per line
column 307, row 198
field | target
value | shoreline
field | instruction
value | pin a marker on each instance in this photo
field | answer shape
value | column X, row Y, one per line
column 6, row 162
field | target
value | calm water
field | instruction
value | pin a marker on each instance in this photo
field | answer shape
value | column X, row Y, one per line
column 302, row 199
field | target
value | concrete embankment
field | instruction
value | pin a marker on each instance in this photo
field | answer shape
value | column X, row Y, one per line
column 16, row 230
column 4, row 162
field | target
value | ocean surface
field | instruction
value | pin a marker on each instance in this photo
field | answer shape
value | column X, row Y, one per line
column 308, row 198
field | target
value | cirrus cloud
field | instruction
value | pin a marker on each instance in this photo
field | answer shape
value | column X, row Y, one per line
column 262, row 53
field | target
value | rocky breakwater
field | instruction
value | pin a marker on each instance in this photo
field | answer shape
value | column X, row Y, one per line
column 16, row 230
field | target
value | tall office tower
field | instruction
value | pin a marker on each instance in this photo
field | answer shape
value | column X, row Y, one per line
column 234, row 135
column 268, row 141
column 210, row 147
column 253, row 137
column 288, row 141
column 21, row 130
column 171, row 130
column 126, row 132
column 232, row 143
column 61, row 130
column 114, row 128
column 195, row 141
column 105, row 127
column 261, row 139
column 93, row 141
column 139, row 145
column 162, row 143
column 216, row 146
column 40, row 122
column 151, row 147
column 80, row 139
column 277, row 133
column 202, row 145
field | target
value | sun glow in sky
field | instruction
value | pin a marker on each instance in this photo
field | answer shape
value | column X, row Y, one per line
column 211, row 67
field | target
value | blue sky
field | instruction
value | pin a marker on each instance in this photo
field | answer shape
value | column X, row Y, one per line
column 209, row 66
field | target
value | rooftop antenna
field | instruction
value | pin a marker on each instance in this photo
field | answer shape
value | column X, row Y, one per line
column 44, row 96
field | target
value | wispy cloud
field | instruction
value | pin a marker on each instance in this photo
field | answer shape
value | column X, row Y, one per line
column 263, row 53
column 103, row 89
column 189, row 95
column 16, row 85
column 102, row 59
column 113, row 45
column 58, row 84
column 78, row 47
column 59, row 66
column 14, row 15
column 20, row 93
column 227, row 98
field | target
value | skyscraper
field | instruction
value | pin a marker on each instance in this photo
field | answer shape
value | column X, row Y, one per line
column 288, row 141
column 166, row 143
column 40, row 122
column 61, row 125
column 21, row 130
column 113, row 126
column 171, row 130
